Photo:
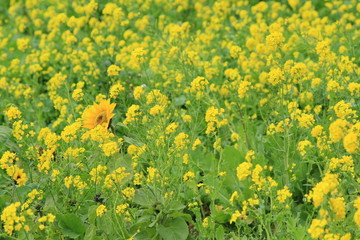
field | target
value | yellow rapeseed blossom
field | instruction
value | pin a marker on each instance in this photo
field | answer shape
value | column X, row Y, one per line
column 328, row 183
column 100, row 210
column 357, row 213
column 316, row 229
column 113, row 70
column 138, row 91
column 22, row 44
column 243, row 170
column 128, row 193
column 283, row 194
column 115, row 90
column 337, row 205
column 188, row 176
column 181, row 140
column 302, row 146
column 110, row 148
column 233, row 197
column 338, row 129
column 9, row 217
column 12, row 113
column 171, row 128
column 306, row 120
column 352, row 142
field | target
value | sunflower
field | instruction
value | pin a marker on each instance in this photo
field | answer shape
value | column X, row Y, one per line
column 98, row 114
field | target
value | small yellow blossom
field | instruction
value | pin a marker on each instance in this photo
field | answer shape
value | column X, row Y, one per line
column 12, row 113
column 100, row 210
column 113, row 70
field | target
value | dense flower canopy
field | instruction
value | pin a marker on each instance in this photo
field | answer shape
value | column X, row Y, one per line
column 179, row 119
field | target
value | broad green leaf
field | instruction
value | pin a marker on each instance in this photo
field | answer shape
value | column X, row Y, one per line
column 231, row 158
column 184, row 216
column 179, row 101
column 5, row 236
column 205, row 161
column 142, row 222
column 22, row 191
column 174, row 229
column 146, row 234
column 71, row 225
column 133, row 141
column 145, row 197
column 90, row 233
column 219, row 233
column 122, row 125
column 25, row 235
column 5, row 133
column 12, row 146
column 92, row 214
column 175, row 206
column 221, row 217
column 105, row 223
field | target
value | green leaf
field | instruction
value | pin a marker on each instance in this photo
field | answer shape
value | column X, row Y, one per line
column 175, row 205
column 71, row 225
column 92, row 214
column 122, row 125
column 205, row 161
column 231, row 158
column 105, row 223
column 179, row 101
column 146, row 234
column 22, row 191
column 142, row 222
column 25, row 235
column 12, row 146
column 5, row 133
column 221, row 217
column 185, row 216
column 90, row 233
column 174, row 229
column 133, row 141
column 145, row 197
column 5, row 236
column 219, row 233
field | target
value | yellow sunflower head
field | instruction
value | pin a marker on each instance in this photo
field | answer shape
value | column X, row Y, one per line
column 98, row 114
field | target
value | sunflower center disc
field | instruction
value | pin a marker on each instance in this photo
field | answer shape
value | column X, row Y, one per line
column 101, row 119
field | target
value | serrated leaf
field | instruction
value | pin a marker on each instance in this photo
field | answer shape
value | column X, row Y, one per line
column 71, row 225
column 174, row 229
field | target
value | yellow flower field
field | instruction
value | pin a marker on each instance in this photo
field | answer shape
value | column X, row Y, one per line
column 175, row 120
